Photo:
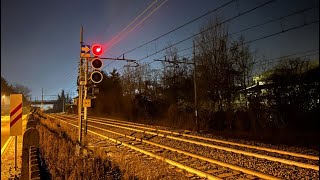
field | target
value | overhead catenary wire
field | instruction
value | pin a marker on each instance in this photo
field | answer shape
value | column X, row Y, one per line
column 179, row 27
column 173, row 30
column 265, row 61
column 269, row 21
column 263, row 37
column 275, row 58
column 252, row 41
column 261, row 24
column 125, row 33
column 124, row 29
column 270, row 35
column 134, row 28
column 278, row 59
column 183, row 40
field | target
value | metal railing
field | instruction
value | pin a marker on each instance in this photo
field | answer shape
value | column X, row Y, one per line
column 34, row 170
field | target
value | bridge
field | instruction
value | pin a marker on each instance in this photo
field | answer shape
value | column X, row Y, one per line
column 43, row 102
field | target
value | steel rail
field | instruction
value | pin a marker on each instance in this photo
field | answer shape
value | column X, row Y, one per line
column 174, row 163
column 261, row 156
column 137, row 125
column 234, row 167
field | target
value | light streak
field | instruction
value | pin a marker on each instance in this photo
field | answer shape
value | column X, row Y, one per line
column 137, row 24
column 114, row 38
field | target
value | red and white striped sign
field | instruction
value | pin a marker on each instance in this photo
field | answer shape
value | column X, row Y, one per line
column 15, row 114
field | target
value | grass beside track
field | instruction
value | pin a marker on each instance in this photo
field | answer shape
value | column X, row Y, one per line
column 58, row 149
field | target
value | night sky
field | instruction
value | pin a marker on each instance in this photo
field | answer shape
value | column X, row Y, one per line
column 40, row 39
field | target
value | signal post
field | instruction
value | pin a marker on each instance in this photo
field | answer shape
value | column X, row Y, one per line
column 87, row 80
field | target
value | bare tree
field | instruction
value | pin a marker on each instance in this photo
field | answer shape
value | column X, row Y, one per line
column 176, row 77
column 214, row 66
column 134, row 80
column 242, row 61
column 224, row 65
column 21, row 89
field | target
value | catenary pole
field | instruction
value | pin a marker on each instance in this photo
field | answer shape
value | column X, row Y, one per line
column 80, row 91
column 195, row 88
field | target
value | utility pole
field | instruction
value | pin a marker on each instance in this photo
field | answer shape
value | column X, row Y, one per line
column 85, row 96
column 63, row 104
column 80, row 92
column 42, row 98
column 195, row 87
column 194, row 82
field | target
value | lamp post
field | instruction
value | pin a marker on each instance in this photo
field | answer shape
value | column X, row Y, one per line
column 2, row 104
column 3, row 96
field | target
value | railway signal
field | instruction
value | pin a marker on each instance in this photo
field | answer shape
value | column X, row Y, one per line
column 96, row 64
column 88, row 78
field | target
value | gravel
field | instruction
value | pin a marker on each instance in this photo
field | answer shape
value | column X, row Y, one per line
column 262, row 165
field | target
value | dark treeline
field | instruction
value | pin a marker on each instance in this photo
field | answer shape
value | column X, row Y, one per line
column 63, row 103
column 230, row 97
column 7, row 89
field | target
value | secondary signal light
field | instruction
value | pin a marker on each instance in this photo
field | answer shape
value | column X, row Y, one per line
column 96, row 49
column 96, row 77
column 96, row 63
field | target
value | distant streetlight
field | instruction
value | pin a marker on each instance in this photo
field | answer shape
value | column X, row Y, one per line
column 3, row 96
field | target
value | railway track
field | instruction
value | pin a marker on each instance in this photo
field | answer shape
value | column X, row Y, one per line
column 207, row 141
column 157, row 143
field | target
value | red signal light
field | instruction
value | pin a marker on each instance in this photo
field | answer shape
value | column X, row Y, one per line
column 96, row 50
